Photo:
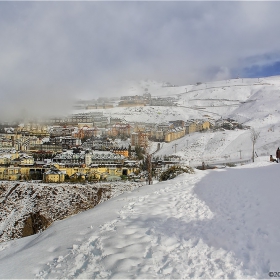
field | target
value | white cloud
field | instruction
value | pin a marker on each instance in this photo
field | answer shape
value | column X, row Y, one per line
column 223, row 74
column 89, row 46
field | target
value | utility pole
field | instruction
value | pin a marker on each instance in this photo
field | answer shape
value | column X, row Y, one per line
column 175, row 145
column 254, row 137
column 240, row 153
column 148, row 154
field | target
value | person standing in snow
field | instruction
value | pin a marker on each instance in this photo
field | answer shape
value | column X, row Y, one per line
column 278, row 155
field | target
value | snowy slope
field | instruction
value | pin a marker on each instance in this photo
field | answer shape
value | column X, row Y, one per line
column 222, row 146
column 252, row 102
column 237, row 98
column 212, row 224
column 210, row 147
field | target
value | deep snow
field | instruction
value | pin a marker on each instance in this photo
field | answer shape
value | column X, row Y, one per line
column 212, row 224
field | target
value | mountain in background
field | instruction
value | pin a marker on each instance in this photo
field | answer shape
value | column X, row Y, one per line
column 251, row 102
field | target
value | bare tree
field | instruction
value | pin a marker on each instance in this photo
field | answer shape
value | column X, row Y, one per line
column 148, row 155
column 254, row 137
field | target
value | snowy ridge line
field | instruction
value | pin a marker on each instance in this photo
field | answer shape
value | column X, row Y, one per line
column 229, row 86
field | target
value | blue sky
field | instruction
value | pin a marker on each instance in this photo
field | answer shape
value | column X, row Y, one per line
column 256, row 71
column 66, row 49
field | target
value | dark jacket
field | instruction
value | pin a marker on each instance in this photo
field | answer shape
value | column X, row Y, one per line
column 278, row 153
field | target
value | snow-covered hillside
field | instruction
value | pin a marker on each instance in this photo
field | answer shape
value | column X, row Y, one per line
column 252, row 102
column 210, row 147
column 229, row 146
column 236, row 98
column 211, row 224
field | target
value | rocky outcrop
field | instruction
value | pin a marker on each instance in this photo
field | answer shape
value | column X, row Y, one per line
column 35, row 223
column 29, row 208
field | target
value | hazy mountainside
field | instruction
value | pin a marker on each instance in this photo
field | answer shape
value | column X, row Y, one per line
column 245, row 100
column 252, row 102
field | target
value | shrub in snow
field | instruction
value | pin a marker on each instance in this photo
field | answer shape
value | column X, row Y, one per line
column 174, row 171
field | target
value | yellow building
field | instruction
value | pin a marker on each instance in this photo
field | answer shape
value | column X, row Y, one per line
column 203, row 125
column 27, row 161
column 34, row 128
column 4, row 160
column 96, row 171
column 206, row 125
column 174, row 134
column 53, row 176
column 121, row 151
column 10, row 173
column 191, row 127
column 132, row 103
column 139, row 139
column 57, row 173
column 2, row 170
column 6, row 143
column 25, row 171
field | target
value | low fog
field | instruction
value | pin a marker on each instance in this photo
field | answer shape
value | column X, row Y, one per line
column 55, row 52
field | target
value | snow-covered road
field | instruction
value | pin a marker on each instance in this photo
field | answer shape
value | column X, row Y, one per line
column 212, row 224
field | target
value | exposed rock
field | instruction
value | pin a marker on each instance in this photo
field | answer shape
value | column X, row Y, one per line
column 29, row 208
column 35, row 223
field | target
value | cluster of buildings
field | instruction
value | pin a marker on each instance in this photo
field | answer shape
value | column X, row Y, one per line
column 100, row 103
column 87, row 145
column 92, row 119
column 146, row 100
column 125, row 101
column 30, row 151
column 97, row 165
column 229, row 124
column 167, row 132
column 94, row 124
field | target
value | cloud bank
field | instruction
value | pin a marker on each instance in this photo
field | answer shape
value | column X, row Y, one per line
column 52, row 52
